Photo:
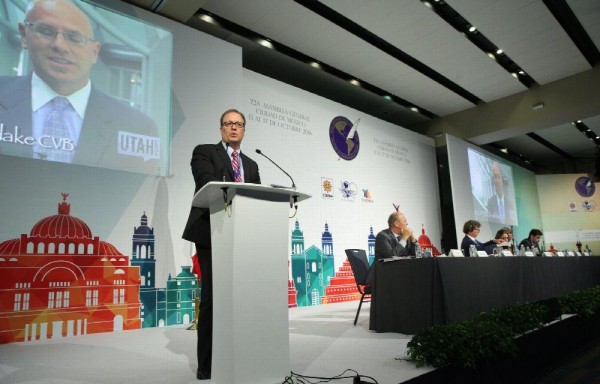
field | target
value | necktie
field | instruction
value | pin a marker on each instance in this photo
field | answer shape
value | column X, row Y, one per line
column 501, row 208
column 235, row 163
column 55, row 130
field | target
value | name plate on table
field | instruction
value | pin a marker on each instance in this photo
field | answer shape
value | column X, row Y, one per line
column 482, row 254
column 578, row 253
column 530, row 254
column 570, row 253
column 549, row 254
column 506, row 253
column 560, row 253
column 456, row 253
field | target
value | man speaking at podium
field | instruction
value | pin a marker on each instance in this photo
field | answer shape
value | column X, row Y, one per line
column 215, row 162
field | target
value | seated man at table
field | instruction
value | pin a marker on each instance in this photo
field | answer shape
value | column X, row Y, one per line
column 396, row 240
column 533, row 241
column 471, row 231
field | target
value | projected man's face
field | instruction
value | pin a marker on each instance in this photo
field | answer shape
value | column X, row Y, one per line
column 497, row 177
column 59, row 39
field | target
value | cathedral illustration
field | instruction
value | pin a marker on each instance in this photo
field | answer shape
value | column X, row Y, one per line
column 62, row 281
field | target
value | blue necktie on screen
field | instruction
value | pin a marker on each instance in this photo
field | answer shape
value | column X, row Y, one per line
column 55, row 130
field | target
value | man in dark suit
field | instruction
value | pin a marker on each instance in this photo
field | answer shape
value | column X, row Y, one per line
column 498, row 205
column 471, row 230
column 396, row 240
column 90, row 127
column 214, row 162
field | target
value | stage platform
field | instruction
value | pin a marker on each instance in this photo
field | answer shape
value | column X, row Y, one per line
column 323, row 342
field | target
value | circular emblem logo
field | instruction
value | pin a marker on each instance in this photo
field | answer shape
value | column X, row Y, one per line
column 584, row 186
column 344, row 137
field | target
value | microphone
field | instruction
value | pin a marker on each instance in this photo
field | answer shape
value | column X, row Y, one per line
column 288, row 175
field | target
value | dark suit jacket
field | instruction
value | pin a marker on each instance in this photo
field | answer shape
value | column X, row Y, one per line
column 467, row 241
column 494, row 210
column 386, row 245
column 210, row 162
column 98, row 142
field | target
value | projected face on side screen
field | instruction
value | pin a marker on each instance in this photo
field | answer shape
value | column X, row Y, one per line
column 73, row 102
column 492, row 190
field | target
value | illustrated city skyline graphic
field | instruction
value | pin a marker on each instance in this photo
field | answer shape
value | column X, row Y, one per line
column 62, row 281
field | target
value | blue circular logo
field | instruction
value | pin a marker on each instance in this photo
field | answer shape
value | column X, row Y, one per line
column 585, row 186
column 344, row 137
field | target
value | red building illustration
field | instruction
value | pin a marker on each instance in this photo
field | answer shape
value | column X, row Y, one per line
column 61, row 281
column 342, row 287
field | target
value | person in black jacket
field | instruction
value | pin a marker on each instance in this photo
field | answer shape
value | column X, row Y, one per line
column 215, row 162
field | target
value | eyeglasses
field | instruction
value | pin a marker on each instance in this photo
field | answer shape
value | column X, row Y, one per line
column 230, row 124
column 46, row 31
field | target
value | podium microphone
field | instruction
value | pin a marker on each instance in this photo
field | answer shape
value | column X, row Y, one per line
column 288, row 175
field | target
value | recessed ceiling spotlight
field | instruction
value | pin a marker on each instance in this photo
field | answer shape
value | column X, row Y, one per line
column 499, row 51
column 504, row 150
column 515, row 75
column 427, row 4
column 521, row 72
column 491, row 55
column 472, row 29
column 314, row 64
column 354, row 82
column 207, row 18
column 414, row 109
column 578, row 121
column 265, row 43
column 387, row 97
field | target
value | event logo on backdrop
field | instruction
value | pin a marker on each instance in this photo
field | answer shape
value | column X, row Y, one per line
column 585, row 186
column 344, row 137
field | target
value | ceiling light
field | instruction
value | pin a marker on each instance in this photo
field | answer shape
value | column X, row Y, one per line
column 387, row 97
column 265, row 43
column 355, row 82
column 491, row 55
column 427, row 4
column 539, row 105
column 499, row 51
column 314, row 64
column 472, row 29
column 414, row 109
column 514, row 75
column 578, row 121
column 207, row 18
column 504, row 150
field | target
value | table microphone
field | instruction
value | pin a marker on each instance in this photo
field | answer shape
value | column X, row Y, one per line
column 288, row 175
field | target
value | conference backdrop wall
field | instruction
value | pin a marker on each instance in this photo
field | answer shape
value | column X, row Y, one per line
column 95, row 248
column 570, row 211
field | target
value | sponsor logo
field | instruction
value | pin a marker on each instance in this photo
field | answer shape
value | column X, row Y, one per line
column 326, row 188
column 132, row 144
column 367, row 196
column 588, row 205
column 348, row 190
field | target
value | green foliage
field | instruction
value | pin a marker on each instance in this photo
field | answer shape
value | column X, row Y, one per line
column 585, row 302
column 491, row 335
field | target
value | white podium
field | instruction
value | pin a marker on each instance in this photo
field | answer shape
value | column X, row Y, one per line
column 250, row 234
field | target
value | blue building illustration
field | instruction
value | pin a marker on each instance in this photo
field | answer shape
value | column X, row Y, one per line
column 371, row 246
column 312, row 268
column 161, row 307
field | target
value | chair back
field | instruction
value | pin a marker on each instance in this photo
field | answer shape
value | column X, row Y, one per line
column 359, row 264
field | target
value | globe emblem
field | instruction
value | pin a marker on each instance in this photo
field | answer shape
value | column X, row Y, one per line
column 344, row 137
column 584, row 186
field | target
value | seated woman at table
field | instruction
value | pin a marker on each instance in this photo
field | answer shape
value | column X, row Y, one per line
column 471, row 231
column 503, row 238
